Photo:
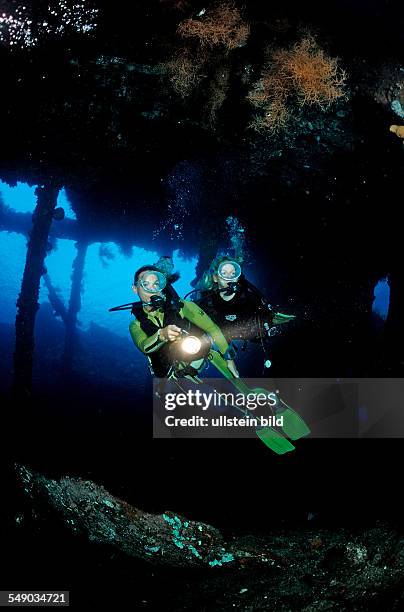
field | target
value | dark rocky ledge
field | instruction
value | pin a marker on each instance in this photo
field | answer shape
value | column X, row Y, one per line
column 301, row 569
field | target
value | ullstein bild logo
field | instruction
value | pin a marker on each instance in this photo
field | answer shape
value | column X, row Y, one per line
column 223, row 421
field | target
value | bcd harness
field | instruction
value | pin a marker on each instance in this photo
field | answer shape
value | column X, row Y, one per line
column 163, row 360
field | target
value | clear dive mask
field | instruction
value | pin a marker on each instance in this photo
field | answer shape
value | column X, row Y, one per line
column 153, row 282
column 229, row 271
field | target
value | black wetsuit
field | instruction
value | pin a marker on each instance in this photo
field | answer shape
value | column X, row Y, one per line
column 242, row 317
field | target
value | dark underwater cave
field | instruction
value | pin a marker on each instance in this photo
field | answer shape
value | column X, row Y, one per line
column 145, row 172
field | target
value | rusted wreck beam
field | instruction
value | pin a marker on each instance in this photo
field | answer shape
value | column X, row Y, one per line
column 69, row 229
column 27, row 303
column 162, row 539
column 54, row 299
column 74, row 305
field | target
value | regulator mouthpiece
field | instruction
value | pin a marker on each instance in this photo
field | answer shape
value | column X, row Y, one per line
column 230, row 289
column 156, row 302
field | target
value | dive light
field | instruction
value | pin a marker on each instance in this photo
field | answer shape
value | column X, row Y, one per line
column 190, row 347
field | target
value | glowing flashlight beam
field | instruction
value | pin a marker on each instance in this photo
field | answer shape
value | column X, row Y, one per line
column 191, row 345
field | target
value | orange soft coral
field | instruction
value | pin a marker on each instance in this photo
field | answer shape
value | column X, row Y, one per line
column 398, row 130
column 221, row 25
column 304, row 72
column 315, row 75
column 185, row 71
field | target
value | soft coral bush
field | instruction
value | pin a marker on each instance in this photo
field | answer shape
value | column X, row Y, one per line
column 185, row 71
column 304, row 73
column 221, row 25
column 210, row 37
column 317, row 77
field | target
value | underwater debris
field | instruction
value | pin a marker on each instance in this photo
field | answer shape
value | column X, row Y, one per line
column 298, row 568
column 166, row 539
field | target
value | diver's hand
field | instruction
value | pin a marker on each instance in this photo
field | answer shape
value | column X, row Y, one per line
column 170, row 333
column 232, row 367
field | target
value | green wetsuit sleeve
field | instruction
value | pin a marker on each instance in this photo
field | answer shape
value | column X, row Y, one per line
column 146, row 344
column 196, row 315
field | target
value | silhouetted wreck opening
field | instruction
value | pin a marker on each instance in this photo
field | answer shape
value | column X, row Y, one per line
column 109, row 118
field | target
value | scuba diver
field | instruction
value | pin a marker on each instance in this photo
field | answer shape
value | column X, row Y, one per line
column 174, row 334
column 238, row 307
column 177, row 335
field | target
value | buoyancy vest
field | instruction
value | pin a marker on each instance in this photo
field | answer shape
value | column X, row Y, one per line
column 163, row 358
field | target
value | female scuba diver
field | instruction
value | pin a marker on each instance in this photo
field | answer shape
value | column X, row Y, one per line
column 173, row 334
column 244, row 314
column 237, row 307
column 177, row 336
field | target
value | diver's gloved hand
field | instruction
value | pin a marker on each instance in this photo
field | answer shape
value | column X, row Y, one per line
column 169, row 333
column 232, row 367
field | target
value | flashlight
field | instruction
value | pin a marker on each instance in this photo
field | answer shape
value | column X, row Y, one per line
column 189, row 348
column 191, row 345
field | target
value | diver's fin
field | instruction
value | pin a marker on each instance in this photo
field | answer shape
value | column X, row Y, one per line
column 269, row 436
column 293, row 424
column 274, row 440
column 280, row 318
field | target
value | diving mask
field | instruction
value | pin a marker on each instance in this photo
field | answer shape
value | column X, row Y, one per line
column 229, row 271
column 153, row 281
